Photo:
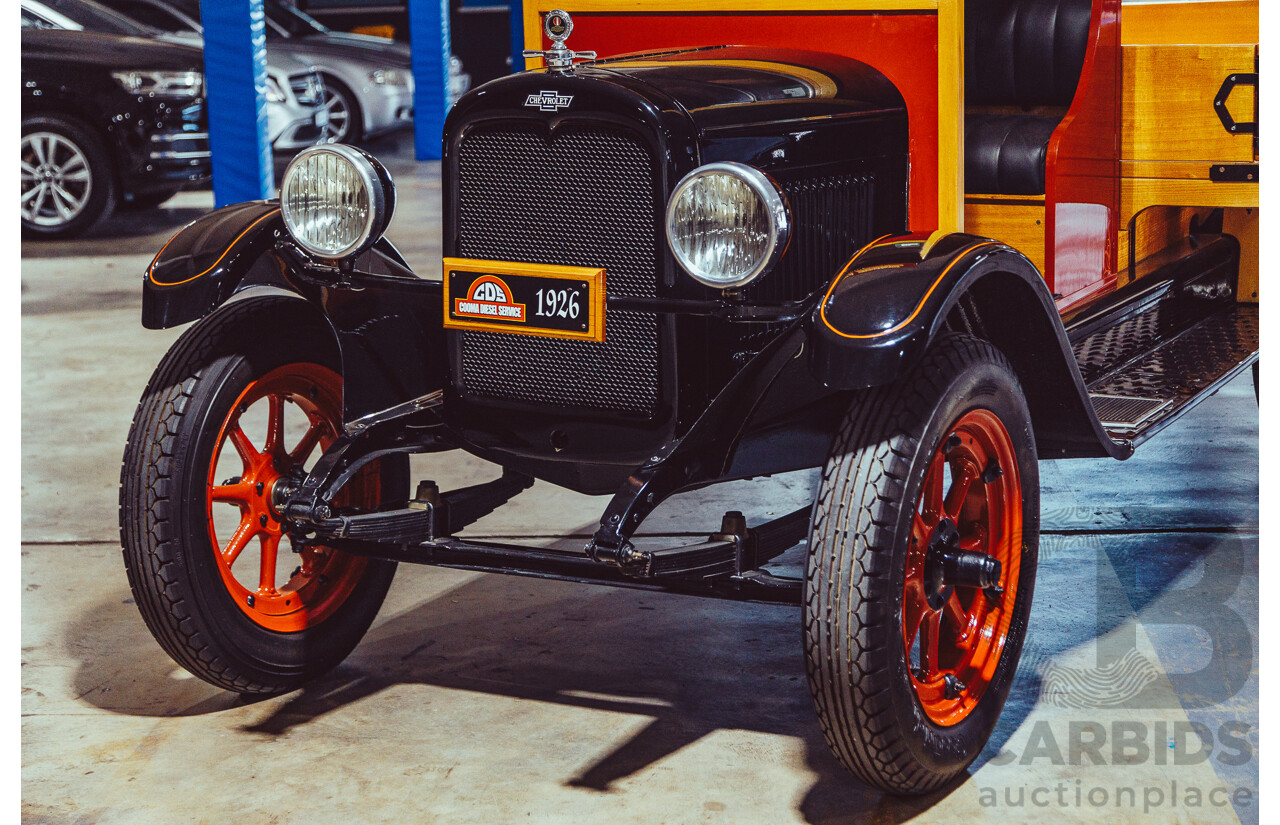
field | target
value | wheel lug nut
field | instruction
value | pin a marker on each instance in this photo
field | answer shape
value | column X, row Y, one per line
column 262, row 519
column 258, row 488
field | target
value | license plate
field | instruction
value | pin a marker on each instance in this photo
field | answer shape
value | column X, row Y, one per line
column 525, row 299
column 322, row 118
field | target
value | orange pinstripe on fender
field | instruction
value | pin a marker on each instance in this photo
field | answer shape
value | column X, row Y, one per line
column 959, row 257
column 151, row 267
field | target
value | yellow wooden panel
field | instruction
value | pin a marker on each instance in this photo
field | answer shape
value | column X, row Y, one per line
column 1243, row 224
column 1018, row 224
column 951, row 210
column 1209, row 21
column 1162, row 226
column 1137, row 194
column 1168, row 103
column 1123, row 274
column 1189, row 170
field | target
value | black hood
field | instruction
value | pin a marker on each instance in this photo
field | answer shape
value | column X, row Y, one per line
column 108, row 50
column 730, row 85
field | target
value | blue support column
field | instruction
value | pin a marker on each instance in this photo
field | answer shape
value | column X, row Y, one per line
column 429, row 40
column 517, row 36
column 235, row 76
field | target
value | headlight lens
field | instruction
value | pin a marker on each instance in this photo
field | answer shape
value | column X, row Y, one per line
column 389, row 77
column 161, row 84
column 727, row 224
column 336, row 200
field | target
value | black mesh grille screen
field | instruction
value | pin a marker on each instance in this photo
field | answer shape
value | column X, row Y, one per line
column 581, row 198
column 831, row 219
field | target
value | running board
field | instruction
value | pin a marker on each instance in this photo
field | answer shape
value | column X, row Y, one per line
column 1154, row 349
column 1166, row 376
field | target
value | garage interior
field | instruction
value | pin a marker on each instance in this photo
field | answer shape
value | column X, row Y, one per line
column 487, row 698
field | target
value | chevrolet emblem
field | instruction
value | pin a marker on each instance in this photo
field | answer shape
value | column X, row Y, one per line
column 548, row 101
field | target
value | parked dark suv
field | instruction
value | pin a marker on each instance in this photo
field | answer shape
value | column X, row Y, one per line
column 106, row 119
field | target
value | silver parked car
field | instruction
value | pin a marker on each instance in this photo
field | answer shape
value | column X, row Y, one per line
column 368, row 81
column 296, row 113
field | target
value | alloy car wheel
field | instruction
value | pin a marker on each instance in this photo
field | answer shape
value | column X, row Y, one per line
column 922, row 561
column 65, row 177
column 56, row 182
column 344, row 124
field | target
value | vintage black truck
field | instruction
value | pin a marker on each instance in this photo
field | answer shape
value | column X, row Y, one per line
column 916, row 245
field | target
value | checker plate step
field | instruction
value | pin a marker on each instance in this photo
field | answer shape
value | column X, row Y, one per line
column 1119, row 413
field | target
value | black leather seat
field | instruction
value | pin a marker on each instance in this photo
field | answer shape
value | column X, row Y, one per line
column 1004, row 154
column 1019, row 53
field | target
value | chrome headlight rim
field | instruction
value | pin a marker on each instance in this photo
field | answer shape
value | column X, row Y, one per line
column 377, row 183
column 775, row 203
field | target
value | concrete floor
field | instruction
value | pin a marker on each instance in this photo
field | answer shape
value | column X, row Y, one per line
column 484, row 699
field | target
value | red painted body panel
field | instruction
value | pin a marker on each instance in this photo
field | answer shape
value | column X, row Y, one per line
column 902, row 46
column 1083, row 173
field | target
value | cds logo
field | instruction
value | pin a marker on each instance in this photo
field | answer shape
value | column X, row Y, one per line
column 490, row 298
column 546, row 101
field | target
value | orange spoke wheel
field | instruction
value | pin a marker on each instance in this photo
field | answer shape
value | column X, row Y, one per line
column 962, row 567
column 257, row 447
column 922, row 559
column 239, row 410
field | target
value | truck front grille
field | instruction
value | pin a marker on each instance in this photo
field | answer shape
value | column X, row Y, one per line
column 832, row 218
column 583, row 197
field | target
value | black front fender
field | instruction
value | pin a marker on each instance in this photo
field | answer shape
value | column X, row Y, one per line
column 386, row 322
column 895, row 296
column 206, row 261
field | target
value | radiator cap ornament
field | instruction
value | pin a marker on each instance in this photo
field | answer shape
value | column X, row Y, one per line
column 558, row 25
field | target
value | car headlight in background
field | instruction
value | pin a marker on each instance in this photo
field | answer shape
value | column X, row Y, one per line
column 161, row 84
column 389, row 77
column 336, row 200
column 727, row 224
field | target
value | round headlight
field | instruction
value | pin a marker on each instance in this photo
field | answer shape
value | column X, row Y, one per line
column 727, row 224
column 336, row 200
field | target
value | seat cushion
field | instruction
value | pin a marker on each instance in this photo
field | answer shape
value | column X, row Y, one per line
column 1024, row 52
column 1005, row 154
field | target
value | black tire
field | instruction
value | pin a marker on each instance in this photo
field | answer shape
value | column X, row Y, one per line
column 858, row 649
column 147, row 200
column 338, row 94
column 175, row 571
column 1257, row 399
column 46, row 221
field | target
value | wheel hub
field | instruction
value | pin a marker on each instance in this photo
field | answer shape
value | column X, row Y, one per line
column 962, row 566
column 947, row 566
column 942, row 541
column 270, row 470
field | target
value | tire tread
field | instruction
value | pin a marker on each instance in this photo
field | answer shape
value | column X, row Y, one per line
column 862, row 485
